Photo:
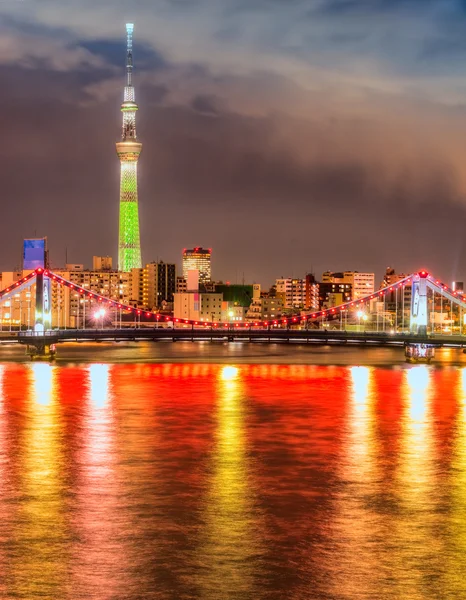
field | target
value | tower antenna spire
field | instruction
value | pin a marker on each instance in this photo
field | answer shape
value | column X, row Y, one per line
column 129, row 53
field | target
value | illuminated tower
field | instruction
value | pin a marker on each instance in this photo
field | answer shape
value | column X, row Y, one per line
column 128, row 150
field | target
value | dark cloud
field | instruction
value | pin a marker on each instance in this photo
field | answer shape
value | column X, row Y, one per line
column 206, row 105
column 114, row 52
column 233, row 183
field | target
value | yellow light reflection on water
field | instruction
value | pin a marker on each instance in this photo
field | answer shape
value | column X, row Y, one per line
column 414, row 484
column 42, row 376
column 230, row 538
column 462, row 391
column 41, row 515
column 457, row 524
column 351, row 527
column 98, row 564
column 229, row 373
column 99, row 385
column 417, row 379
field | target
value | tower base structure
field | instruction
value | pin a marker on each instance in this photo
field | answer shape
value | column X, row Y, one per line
column 129, row 245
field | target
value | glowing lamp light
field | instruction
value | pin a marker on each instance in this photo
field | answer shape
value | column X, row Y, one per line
column 423, row 274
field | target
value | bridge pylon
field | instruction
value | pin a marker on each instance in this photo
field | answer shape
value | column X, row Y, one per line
column 41, row 346
column 418, row 321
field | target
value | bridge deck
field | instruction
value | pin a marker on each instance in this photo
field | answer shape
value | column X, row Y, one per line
column 234, row 335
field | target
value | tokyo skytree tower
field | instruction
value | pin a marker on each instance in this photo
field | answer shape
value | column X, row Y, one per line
column 128, row 150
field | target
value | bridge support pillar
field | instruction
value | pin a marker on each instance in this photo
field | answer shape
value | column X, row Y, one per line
column 419, row 353
column 418, row 321
column 41, row 350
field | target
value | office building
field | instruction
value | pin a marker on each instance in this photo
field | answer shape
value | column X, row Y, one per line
column 362, row 284
column 312, row 293
column 198, row 259
column 291, row 292
column 153, row 286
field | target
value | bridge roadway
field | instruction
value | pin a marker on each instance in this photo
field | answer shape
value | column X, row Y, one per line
column 297, row 336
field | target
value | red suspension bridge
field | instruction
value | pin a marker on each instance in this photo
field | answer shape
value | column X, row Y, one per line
column 409, row 313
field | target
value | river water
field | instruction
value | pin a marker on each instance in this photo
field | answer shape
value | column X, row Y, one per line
column 204, row 471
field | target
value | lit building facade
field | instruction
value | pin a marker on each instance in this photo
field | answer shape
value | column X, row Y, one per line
column 264, row 308
column 312, row 293
column 181, row 285
column 333, row 294
column 154, row 285
column 128, row 150
column 362, row 284
column 102, row 263
column 114, row 285
column 292, row 292
column 198, row 259
column 202, row 307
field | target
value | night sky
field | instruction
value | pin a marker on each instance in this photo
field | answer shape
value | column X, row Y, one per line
column 288, row 135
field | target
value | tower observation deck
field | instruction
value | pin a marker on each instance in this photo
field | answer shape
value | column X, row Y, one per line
column 128, row 150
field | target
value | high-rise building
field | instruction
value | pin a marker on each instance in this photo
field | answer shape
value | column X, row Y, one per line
column 312, row 293
column 154, row 285
column 292, row 292
column 362, row 284
column 198, row 259
column 128, row 150
column 35, row 254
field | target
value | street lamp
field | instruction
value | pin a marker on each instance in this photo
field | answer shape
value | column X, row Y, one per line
column 360, row 314
column 100, row 314
column 364, row 318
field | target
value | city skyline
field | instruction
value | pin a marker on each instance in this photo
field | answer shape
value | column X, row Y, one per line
column 294, row 145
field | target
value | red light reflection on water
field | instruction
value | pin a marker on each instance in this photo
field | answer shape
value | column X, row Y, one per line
column 273, row 480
